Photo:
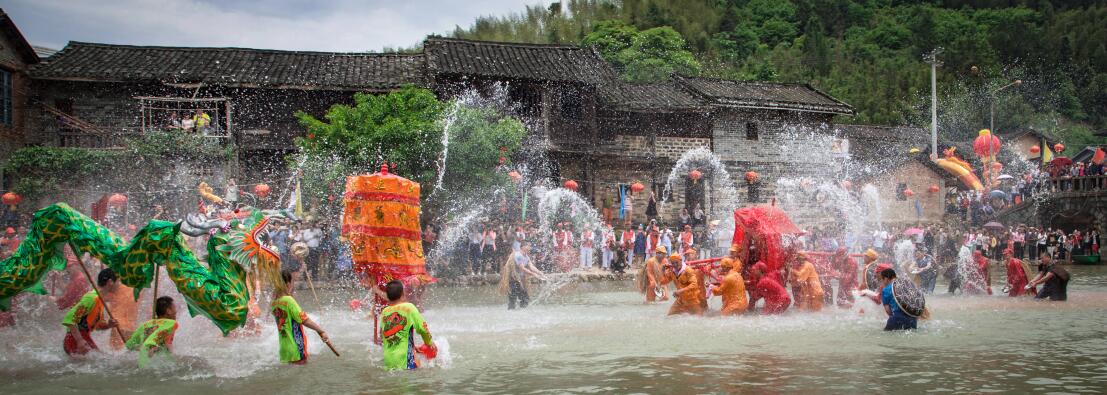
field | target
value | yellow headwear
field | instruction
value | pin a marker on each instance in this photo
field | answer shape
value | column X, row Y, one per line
column 871, row 254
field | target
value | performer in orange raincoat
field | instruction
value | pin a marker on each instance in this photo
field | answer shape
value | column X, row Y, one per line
column 847, row 277
column 688, row 292
column 803, row 275
column 732, row 287
column 1016, row 276
column 652, row 278
column 690, row 255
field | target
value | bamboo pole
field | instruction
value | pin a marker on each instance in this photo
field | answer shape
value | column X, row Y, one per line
column 307, row 275
column 101, row 296
column 154, row 301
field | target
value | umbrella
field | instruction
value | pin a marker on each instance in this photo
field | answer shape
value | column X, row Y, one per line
column 994, row 225
column 912, row 232
column 998, row 194
column 1005, row 177
column 1060, row 162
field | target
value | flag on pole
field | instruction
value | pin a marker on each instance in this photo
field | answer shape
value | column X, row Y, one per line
column 1047, row 154
column 299, row 201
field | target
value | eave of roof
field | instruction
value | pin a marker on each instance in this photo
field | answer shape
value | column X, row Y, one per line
column 8, row 27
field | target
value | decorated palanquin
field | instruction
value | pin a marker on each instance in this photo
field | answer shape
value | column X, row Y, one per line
column 381, row 222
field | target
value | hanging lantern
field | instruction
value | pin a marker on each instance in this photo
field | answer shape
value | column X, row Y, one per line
column 908, row 192
column 1058, row 148
column 503, row 159
column 1035, row 149
column 847, row 184
column 933, row 188
column 1099, row 155
column 571, row 185
column 12, row 198
column 695, row 175
column 986, row 145
column 117, row 200
column 261, row 190
column 751, row 176
column 515, row 176
column 637, row 187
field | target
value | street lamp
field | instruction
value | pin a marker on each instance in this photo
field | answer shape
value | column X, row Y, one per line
column 932, row 58
column 992, row 105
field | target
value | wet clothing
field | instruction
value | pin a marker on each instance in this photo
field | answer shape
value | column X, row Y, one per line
column 688, row 302
column 733, row 290
column 847, row 279
column 86, row 316
column 399, row 324
column 1056, row 288
column 651, row 273
column 979, row 285
column 152, row 337
column 776, row 297
column 1017, row 279
column 810, row 295
column 898, row 320
column 290, row 330
column 928, row 273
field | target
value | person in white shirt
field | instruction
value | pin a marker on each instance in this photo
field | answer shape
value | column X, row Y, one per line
column 587, row 242
column 608, row 247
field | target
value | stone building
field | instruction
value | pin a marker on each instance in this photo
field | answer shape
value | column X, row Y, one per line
column 16, row 56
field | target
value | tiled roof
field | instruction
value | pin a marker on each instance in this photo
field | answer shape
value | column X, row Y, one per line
column 537, row 62
column 877, row 149
column 235, row 67
column 764, row 95
column 24, row 49
column 648, row 96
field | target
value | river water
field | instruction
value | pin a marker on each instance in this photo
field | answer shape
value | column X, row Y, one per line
column 600, row 338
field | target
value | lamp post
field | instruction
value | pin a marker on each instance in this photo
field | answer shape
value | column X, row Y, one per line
column 932, row 58
column 992, row 104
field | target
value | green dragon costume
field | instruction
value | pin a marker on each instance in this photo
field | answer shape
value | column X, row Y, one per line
column 217, row 291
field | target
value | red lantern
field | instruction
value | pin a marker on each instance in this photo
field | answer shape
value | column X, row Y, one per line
column 751, row 176
column 503, row 159
column 695, row 175
column 847, row 184
column 986, row 145
column 1035, row 149
column 117, row 200
column 1058, row 148
column 515, row 176
column 261, row 190
column 11, row 198
column 908, row 192
column 1099, row 156
column 571, row 185
column 933, row 188
column 637, row 187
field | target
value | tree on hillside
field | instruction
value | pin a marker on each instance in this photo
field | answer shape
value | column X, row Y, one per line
column 404, row 128
column 648, row 55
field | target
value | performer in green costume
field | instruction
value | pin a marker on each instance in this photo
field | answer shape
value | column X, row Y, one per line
column 155, row 337
column 399, row 322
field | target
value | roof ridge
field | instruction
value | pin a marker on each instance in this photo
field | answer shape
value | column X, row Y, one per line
column 266, row 50
column 506, row 43
column 753, row 82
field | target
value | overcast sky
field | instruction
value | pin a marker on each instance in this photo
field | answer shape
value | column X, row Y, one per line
column 322, row 25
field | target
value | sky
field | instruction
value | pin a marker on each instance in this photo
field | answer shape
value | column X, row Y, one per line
column 321, row 25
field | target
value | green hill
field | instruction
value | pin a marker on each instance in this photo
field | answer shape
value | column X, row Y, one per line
column 868, row 53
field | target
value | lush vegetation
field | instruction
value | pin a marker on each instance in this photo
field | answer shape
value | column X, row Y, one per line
column 869, row 53
column 43, row 171
column 405, row 128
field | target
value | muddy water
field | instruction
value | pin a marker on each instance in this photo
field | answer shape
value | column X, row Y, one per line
column 600, row 338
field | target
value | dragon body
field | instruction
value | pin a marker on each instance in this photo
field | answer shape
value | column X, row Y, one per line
column 217, row 291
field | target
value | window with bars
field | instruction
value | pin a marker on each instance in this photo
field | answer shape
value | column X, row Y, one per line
column 6, row 97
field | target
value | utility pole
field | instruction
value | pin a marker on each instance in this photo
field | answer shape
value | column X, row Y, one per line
column 932, row 58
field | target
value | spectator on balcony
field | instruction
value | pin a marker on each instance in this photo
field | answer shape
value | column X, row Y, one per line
column 174, row 121
column 201, row 120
